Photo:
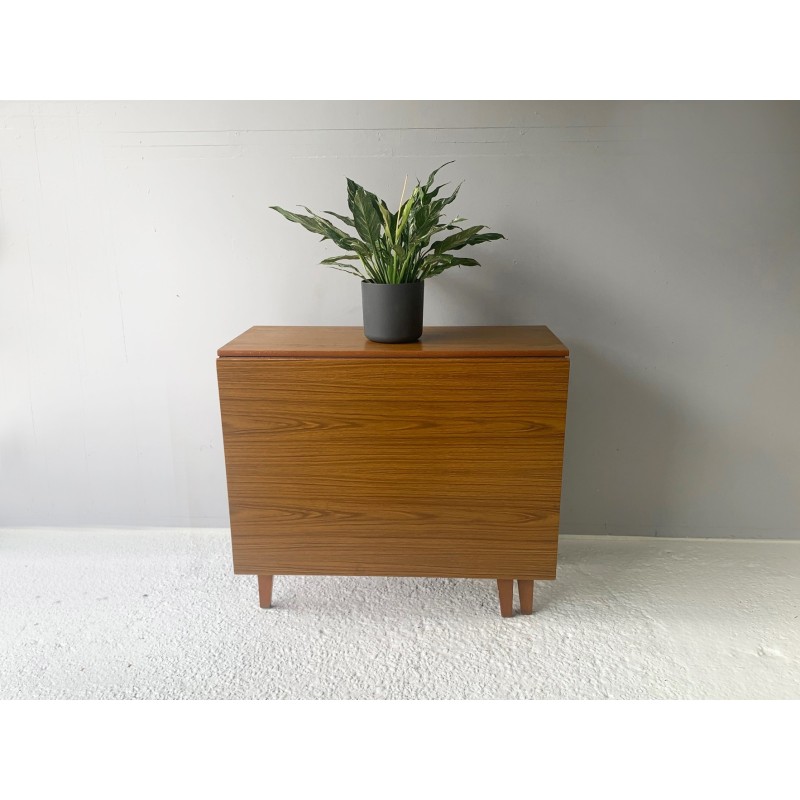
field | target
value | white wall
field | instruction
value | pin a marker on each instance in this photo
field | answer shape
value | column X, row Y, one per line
column 660, row 241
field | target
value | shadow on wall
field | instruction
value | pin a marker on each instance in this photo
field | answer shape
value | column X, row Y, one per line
column 650, row 455
column 642, row 457
column 618, row 449
column 620, row 431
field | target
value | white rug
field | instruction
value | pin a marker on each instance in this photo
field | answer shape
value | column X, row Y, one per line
column 94, row 614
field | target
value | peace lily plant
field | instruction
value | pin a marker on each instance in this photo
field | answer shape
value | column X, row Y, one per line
column 394, row 253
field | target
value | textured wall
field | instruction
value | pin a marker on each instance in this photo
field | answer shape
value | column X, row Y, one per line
column 660, row 241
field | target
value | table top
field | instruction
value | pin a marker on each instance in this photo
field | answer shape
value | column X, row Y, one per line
column 475, row 341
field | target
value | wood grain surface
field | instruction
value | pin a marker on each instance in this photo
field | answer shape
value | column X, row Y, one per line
column 525, row 597
column 505, row 591
column 435, row 467
column 265, row 590
column 436, row 342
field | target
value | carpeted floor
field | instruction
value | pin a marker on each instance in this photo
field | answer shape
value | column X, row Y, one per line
column 91, row 614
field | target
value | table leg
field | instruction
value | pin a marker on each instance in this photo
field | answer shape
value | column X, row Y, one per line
column 505, row 588
column 265, row 591
column 525, row 597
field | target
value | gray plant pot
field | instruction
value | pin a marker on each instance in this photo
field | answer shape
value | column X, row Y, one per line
column 392, row 311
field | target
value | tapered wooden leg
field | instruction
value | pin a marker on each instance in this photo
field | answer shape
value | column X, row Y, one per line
column 525, row 597
column 505, row 588
column 265, row 591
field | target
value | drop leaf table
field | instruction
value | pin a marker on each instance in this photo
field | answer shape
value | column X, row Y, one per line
column 440, row 458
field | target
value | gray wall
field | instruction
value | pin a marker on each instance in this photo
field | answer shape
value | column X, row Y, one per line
column 660, row 241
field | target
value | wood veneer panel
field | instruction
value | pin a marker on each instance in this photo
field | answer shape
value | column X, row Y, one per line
column 265, row 590
column 525, row 597
column 505, row 591
column 436, row 342
column 435, row 467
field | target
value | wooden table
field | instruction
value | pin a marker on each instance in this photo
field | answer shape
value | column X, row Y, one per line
column 440, row 458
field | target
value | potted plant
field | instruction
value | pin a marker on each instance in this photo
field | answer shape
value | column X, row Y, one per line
column 395, row 253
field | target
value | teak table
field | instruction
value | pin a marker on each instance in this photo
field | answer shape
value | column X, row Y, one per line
column 440, row 458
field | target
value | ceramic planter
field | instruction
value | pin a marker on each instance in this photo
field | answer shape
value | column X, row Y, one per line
column 392, row 311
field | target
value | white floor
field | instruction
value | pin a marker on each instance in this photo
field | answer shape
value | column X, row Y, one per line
column 159, row 614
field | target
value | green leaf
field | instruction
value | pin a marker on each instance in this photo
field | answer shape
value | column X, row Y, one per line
column 464, row 262
column 480, row 238
column 429, row 182
column 465, row 238
column 348, row 269
column 336, row 235
column 327, row 230
column 435, row 191
column 453, row 225
column 311, row 223
column 387, row 221
column 447, row 200
column 335, row 259
column 346, row 220
column 403, row 213
column 456, row 240
column 366, row 218
column 435, row 264
column 352, row 190
column 423, row 222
